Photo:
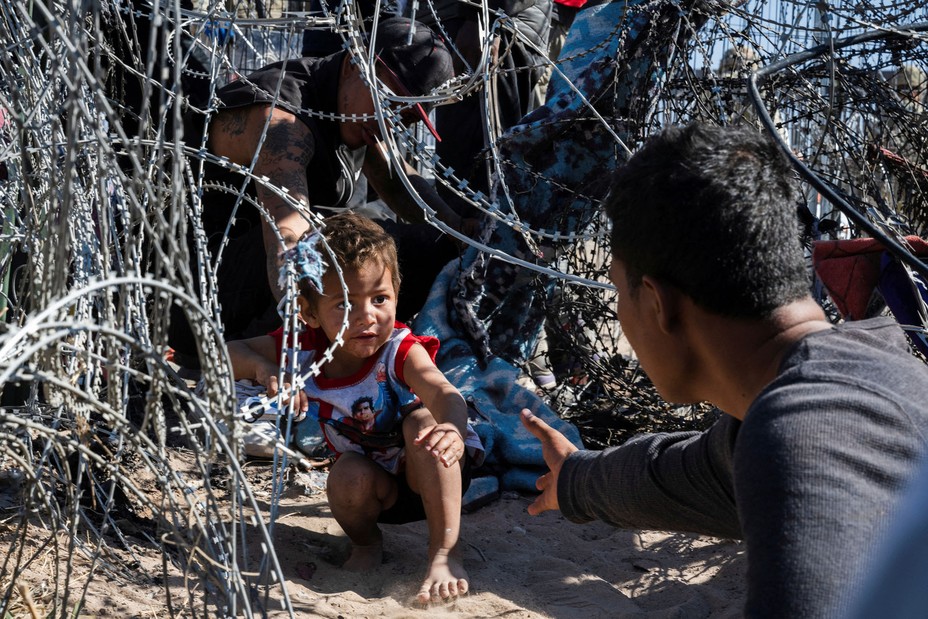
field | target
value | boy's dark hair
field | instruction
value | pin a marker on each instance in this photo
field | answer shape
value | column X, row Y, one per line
column 712, row 211
column 356, row 240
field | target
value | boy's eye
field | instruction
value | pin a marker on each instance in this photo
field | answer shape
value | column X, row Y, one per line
column 380, row 299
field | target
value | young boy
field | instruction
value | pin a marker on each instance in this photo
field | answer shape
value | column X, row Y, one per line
column 410, row 459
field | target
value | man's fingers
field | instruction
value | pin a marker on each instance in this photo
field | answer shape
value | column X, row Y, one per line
column 540, row 504
column 531, row 509
column 535, row 425
column 555, row 449
column 541, row 482
column 537, row 506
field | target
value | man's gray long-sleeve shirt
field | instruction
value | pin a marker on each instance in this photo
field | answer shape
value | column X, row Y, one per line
column 807, row 480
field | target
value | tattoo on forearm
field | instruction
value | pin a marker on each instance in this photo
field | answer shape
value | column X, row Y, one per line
column 285, row 142
column 295, row 182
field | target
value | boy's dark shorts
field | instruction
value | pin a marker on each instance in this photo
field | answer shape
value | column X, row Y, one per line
column 408, row 506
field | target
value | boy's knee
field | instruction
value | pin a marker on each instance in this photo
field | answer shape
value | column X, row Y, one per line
column 416, row 421
column 355, row 480
column 351, row 474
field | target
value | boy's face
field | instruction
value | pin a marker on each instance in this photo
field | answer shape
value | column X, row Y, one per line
column 370, row 319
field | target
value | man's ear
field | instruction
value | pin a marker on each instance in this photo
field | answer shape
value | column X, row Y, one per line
column 307, row 313
column 664, row 301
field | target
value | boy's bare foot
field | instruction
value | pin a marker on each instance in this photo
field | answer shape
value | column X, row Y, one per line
column 364, row 558
column 446, row 578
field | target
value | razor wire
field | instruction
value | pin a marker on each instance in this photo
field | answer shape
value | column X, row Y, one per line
column 105, row 450
column 853, row 115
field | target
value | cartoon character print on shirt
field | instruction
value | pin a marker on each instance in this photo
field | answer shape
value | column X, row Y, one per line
column 366, row 410
column 363, row 413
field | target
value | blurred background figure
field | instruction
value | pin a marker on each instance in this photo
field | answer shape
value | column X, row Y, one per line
column 901, row 147
column 517, row 63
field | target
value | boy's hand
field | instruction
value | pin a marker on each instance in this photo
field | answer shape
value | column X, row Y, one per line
column 268, row 377
column 444, row 441
column 555, row 448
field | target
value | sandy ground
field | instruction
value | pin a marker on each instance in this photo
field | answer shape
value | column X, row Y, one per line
column 520, row 566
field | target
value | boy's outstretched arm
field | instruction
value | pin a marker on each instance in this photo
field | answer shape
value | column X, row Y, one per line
column 256, row 359
column 445, row 439
column 434, row 471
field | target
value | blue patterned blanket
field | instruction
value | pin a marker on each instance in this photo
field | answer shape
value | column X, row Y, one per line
column 487, row 312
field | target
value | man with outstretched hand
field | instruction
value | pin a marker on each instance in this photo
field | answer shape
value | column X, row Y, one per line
column 825, row 423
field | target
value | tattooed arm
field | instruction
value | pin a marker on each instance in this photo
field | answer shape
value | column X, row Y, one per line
column 287, row 149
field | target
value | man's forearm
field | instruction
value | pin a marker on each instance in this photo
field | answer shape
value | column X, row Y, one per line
column 444, row 212
column 283, row 159
column 290, row 224
column 673, row 482
column 392, row 191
